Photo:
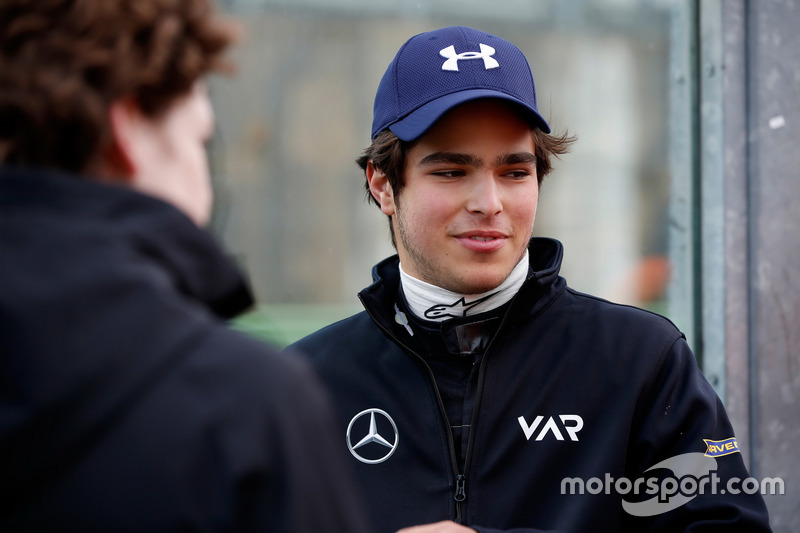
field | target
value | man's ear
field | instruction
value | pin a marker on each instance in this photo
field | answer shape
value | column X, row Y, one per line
column 119, row 159
column 380, row 189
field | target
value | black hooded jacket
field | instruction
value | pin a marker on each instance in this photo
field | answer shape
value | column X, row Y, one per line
column 573, row 401
column 126, row 403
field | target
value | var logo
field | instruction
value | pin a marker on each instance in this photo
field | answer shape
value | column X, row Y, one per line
column 571, row 424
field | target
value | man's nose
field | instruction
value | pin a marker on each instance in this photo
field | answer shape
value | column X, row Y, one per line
column 484, row 195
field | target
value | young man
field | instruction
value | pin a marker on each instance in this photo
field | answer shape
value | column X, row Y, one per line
column 126, row 404
column 477, row 391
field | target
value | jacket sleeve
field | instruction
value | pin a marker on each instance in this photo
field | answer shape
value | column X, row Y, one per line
column 266, row 448
column 306, row 487
column 681, row 425
column 515, row 530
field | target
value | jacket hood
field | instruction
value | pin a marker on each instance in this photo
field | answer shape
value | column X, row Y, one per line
column 102, row 289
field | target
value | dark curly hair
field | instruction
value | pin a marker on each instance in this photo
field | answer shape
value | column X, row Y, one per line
column 63, row 63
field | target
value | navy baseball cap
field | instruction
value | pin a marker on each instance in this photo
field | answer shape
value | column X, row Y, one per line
column 438, row 70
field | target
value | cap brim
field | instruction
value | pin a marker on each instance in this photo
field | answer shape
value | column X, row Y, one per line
column 413, row 125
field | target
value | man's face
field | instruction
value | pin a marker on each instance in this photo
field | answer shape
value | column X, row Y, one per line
column 465, row 215
column 171, row 155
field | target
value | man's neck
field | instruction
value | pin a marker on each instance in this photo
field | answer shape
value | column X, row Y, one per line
column 433, row 303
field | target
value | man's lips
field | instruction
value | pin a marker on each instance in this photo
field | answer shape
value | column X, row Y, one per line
column 482, row 241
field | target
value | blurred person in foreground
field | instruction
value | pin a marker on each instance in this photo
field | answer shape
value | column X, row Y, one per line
column 478, row 391
column 126, row 403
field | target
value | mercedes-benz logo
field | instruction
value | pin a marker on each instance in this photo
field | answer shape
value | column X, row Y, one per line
column 372, row 448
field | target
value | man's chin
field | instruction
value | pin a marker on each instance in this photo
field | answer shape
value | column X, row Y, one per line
column 478, row 283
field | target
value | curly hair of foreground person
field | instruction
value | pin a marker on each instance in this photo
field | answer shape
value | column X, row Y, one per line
column 63, row 62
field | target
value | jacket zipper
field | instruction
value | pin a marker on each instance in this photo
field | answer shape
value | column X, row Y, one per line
column 460, row 492
column 461, row 495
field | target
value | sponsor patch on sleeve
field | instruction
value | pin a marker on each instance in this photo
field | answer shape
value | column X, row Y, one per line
column 718, row 448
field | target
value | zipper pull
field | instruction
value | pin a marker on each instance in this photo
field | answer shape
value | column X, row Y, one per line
column 461, row 493
column 401, row 318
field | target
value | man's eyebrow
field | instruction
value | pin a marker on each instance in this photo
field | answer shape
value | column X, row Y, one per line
column 450, row 157
column 456, row 158
column 515, row 158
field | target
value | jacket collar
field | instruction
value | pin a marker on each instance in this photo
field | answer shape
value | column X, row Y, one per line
column 153, row 228
column 542, row 286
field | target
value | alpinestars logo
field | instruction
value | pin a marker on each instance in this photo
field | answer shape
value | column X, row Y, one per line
column 457, row 309
column 486, row 54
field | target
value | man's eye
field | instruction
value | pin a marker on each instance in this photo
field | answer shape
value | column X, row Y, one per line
column 518, row 174
column 449, row 173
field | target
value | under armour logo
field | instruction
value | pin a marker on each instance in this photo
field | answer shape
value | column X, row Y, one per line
column 457, row 309
column 486, row 54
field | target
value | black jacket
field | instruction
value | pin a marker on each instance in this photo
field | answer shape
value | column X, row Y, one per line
column 571, row 388
column 126, row 403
